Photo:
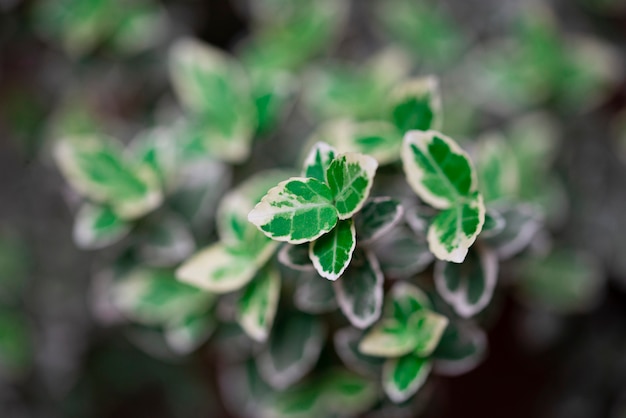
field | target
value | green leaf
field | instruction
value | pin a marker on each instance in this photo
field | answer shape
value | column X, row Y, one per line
column 155, row 297
column 402, row 377
column 331, row 253
column 416, row 105
column 298, row 210
column 496, row 168
column 215, row 90
column 437, row 169
column 317, row 161
column 257, row 306
column 468, row 287
column 97, row 227
column 164, row 241
column 186, row 334
column 360, row 290
column 521, row 223
column 96, row 167
column 296, row 257
column 158, row 149
column 494, row 223
column 388, row 338
column 376, row 218
column 462, row 347
column 378, row 139
column 314, row 295
column 454, row 230
column 223, row 269
column 402, row 253
column 292, row 351
column 564, row 281
column 350, row 177
column 428, row 327
column 346, row 342
column 273, row 93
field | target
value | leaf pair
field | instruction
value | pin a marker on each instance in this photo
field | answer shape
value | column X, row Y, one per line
column 407, row 335
column 317, row 207
column 442, row 175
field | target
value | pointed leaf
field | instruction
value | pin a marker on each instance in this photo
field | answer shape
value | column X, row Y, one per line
column 318, row 160
column 454, row 230
column 360, row 290
column 428, row 327
column 350, row 177
column 297, row 210
column 96, row 167
column 187, row 334
column 437, row 169
column 157, row 148
column 402, row 377
column 388, row 338
column 331, row 253
column 416, row 105
column 292, row 351
column 97, row 227
column 296, row 257
column 257, row 306
column 222, row 269
column 468, row 287
column 376, row 218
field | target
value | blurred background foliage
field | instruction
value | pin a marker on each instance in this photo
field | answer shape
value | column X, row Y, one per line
column 548, row 76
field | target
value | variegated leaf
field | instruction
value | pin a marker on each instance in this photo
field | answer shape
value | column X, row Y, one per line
column 468, row 287
column 360, row 290
column 331, row 253
column 296, row 257
column 297, row 210
column 403, row 376
column 317, row 161
column 257, row 306
column 97, row 227
column 350, row 177
column 416, row 105
column 377, row 217
column 97, row 168
column 462, row 347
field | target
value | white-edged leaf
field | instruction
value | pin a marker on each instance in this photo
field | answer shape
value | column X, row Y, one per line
column 494, row 223
column 428, row 327
column 331, row 253
column 157, row 148
column 350, row 177
column 346, row 342
column 376, row 218
column 292, row 351
column 497, row 169
column 454, row 230
column 462, row 347
column 314, row 294
column 348, row 394
column 97, row 227
column 155, row 297
column 222, row 269
column 298, row 210
column 317, row 161
column 403, row 376
column 215, row 89
column 468, row 287
column 437, row 169
column 416, row 105
column 360, row 290
column 257, row 305
column 296, row 257
column 97, row 168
